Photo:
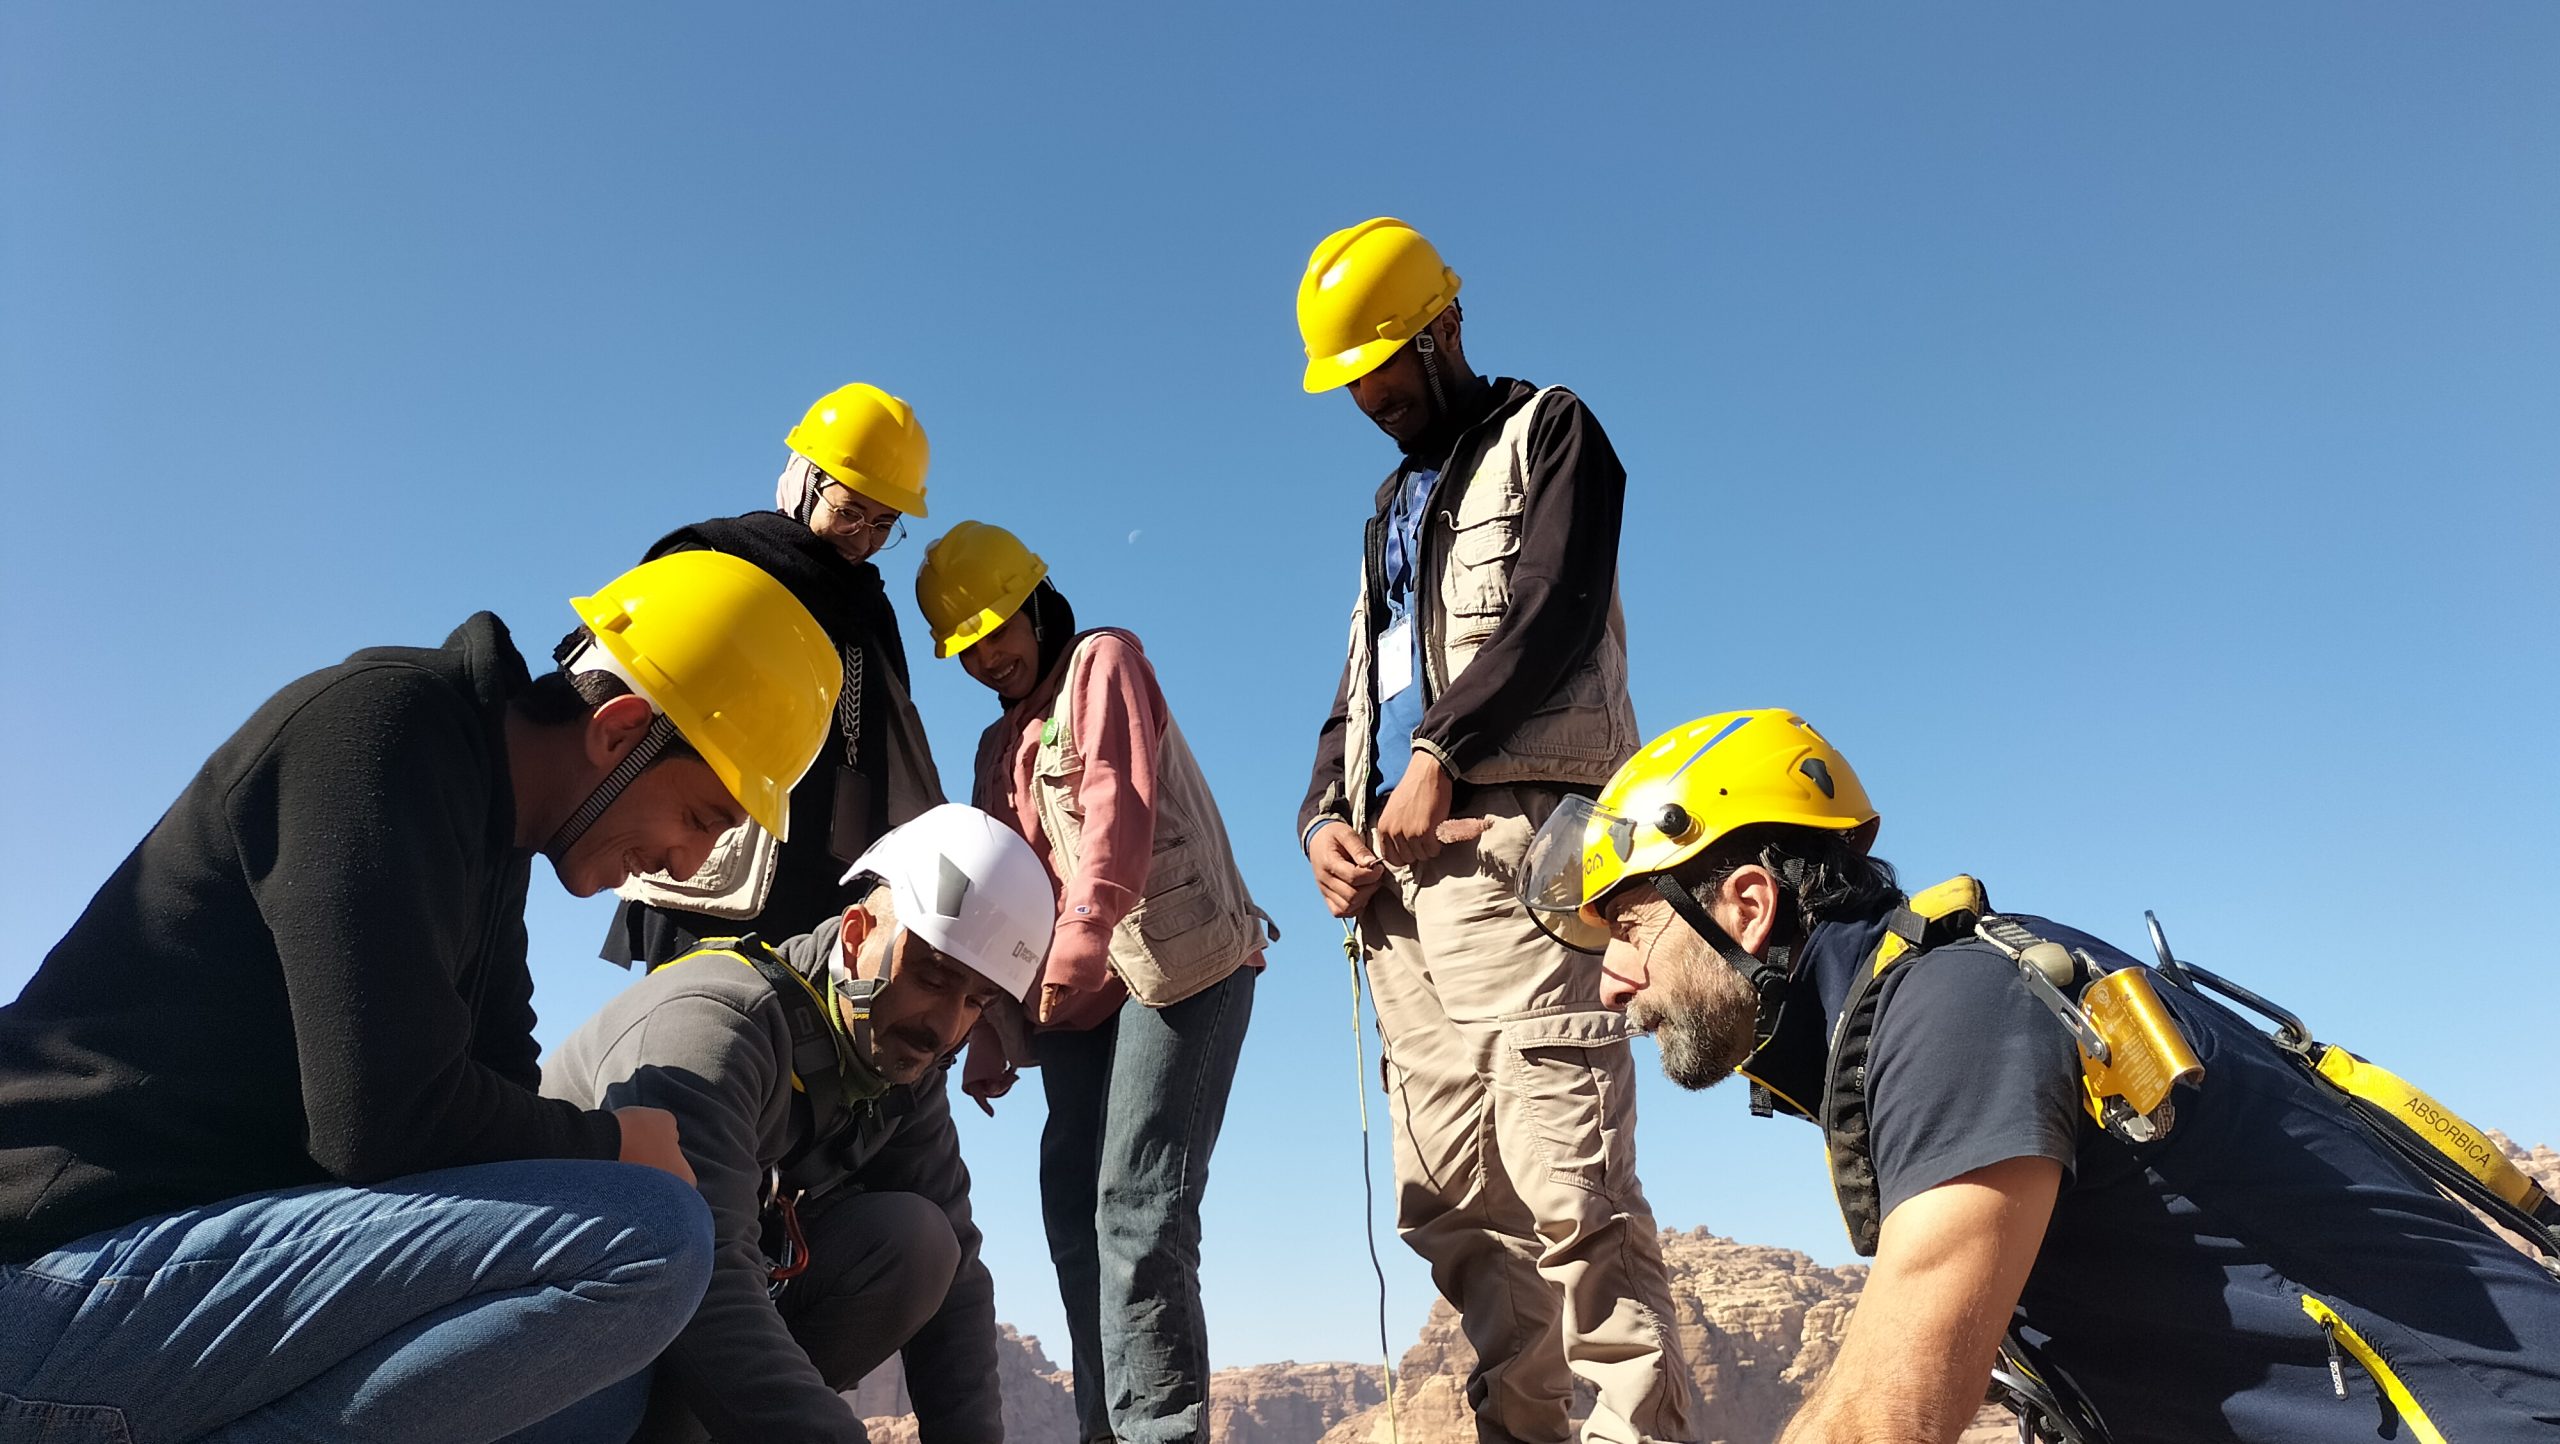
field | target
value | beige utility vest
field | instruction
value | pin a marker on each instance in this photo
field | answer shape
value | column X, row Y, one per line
column 1470, row 539
column 1194, row 922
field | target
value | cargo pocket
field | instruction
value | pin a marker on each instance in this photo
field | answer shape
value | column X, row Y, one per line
column 37, row 1422
column 1479, row 580
column 1180, row 925
column 1570, row 1074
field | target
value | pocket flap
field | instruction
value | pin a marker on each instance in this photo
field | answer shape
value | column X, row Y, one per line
column 1478, row 543
column 1569, row 1030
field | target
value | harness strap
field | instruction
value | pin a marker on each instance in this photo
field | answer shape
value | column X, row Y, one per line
column 816, row 1064
column 1931, row 918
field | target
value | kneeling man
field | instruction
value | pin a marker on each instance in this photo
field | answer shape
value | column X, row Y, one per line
column 807, row 1077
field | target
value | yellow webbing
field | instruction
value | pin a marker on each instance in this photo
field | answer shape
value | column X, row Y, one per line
column 2446, row 1130
column 1957, row 894
column 728, row 948
column 2398, row 1393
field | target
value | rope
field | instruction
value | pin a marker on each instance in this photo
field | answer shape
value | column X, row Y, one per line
column 1368, row 1186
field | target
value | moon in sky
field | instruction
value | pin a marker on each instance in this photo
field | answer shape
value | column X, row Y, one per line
column 1133, row 537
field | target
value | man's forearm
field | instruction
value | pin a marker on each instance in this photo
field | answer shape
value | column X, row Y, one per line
column 1916, row 1361
column 1889, row 1411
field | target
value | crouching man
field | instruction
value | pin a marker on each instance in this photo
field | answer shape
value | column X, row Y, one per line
column 807, row 1080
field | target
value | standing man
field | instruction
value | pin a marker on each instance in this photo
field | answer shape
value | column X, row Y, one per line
column 272, row 1165
column 808, row 1078
column 1487, row 681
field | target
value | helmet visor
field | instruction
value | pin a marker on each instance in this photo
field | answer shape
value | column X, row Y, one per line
column 1551, row 878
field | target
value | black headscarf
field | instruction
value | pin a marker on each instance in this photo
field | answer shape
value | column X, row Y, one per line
column 1053, row 623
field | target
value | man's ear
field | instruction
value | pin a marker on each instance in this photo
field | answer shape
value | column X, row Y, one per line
column 615, row 728
column 1445, row 330
column 854, row 928
column 1753, row 895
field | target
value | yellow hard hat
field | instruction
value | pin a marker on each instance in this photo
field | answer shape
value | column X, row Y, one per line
column 972, row 580
column 1368, row 290
column 741, row 669
column 1672, row 800
column 869, row 440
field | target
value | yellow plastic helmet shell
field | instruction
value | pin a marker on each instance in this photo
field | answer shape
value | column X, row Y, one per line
column 1368, row 290
column 869, row 440
column 1672, row 800
column 742, row 670
column 973, row 579
column 1698, row 782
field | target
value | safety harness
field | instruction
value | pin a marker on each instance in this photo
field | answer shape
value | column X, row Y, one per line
column 830, row 1080
column 2132, row 1056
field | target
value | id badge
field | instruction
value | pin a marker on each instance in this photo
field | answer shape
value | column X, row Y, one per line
column 1395, row 658
column 849, row 828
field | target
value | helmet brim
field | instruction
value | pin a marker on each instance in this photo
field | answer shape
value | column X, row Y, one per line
column 1339, row 369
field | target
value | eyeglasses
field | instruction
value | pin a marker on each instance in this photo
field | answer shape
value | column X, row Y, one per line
column 844, row 514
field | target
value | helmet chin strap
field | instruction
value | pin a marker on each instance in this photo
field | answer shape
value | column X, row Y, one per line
column 1768, row 977
column 651, row 746
column 861, row 1075
column 1429, row 350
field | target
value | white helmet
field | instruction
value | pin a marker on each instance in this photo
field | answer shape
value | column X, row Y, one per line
column 971, row 888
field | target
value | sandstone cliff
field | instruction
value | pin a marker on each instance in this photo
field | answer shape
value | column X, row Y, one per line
column 1759, row 1325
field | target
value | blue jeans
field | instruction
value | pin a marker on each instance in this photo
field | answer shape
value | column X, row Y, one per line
column 455, row 1306
column 1134, row 1110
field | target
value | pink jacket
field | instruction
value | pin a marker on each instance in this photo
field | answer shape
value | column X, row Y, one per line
column 1120, row 720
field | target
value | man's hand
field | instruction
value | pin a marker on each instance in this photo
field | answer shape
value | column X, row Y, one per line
column 1347, row 873
column 1950, row 1264
column 1408, row 829
column 986, row 1074
column 649, row 1136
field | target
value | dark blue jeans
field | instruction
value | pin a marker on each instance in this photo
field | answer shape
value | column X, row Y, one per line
column 454, row 1307
column 1134, row 1111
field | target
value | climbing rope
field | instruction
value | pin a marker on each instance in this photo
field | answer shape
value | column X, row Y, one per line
column 1368, row 1186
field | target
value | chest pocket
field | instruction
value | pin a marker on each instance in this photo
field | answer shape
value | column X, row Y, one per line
column 1484, row 539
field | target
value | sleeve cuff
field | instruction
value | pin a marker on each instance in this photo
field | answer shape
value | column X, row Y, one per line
column 1436, row 753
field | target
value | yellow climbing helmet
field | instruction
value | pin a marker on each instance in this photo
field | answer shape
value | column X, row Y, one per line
column 1674, row 798
column 972, row 580
column 1368, row 290
column 732, row 660
column 869, row 440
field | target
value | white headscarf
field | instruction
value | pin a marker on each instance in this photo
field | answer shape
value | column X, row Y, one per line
column 797, row 487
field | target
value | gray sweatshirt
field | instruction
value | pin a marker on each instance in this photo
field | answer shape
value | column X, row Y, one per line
column 708, row 1041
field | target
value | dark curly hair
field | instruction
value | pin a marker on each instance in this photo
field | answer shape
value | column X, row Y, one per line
column 1829, row 875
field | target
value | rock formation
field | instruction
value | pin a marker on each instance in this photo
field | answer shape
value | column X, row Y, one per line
column 1036, row 1396
column 1759, row 1325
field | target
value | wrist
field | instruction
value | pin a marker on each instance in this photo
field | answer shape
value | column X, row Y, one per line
column 1307, row 834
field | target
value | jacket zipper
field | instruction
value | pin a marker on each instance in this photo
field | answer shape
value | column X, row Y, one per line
column 2342, row 1335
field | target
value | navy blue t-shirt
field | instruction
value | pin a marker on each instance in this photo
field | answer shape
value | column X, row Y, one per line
column 1967, row 1069
column 2172, row 1278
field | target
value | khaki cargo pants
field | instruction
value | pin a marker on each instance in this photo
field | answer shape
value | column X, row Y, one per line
column 1513, row 1095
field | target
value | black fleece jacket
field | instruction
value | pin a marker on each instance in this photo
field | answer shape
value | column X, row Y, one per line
column 312, row 969
column 849, row 601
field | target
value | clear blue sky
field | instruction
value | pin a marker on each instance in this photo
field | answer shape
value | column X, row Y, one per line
column 2131, row 434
